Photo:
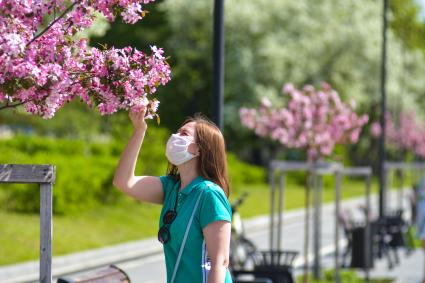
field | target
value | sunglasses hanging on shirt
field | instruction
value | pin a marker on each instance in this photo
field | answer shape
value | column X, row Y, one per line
column 168, row 218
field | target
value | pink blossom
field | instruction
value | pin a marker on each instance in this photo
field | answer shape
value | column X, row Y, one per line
column 265, row 102
column 154, row 105
column 310, row 119
column 248, row 117
column 288, row 88
column 261, row 131
column 326, row 149
column 45, row 71
column 157, row 52
column 354, row 136
column 308, row 88
column 3, row 97
column 12, row 44
column 407, row 133
column 132, row 13
column 375, row 129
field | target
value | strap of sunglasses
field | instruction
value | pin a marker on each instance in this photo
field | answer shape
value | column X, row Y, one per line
column 185, row 238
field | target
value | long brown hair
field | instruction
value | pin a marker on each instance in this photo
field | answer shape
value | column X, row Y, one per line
column 212, row 160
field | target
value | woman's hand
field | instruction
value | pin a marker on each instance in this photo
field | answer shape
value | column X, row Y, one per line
column 138, row 119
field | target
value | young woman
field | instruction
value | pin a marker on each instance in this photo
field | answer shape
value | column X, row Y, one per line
column 194, row 225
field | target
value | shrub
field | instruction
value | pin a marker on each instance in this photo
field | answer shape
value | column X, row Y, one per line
column 243, row 173
column 84, row 171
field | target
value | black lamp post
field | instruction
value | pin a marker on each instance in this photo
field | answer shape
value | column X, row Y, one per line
column 382, row 154
column 218, row 61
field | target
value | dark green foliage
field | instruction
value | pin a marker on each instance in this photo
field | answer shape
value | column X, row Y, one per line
column 83, row 179
column 75, row 120
column 406, row 23
column 85, row 170
column 242, row 173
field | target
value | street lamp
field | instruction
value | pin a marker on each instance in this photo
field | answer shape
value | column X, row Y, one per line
column 382, row 154
column 218, row 62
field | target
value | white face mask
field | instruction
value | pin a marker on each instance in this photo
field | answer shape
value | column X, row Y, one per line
column 177, row 149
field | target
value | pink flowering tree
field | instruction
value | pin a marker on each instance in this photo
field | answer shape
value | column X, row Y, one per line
column 43, row 65
column 406, row 134
column 314, row 120
column 311, row 119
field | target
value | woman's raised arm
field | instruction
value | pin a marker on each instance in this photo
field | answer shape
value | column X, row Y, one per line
column 143, row 188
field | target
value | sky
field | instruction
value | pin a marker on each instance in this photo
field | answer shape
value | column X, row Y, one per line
column 422, row 3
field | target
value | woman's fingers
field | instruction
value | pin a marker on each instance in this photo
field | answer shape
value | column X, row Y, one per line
column 137, row 117
column 141, row 114
column 138, row 113
column 143, row 111
column 133, row 115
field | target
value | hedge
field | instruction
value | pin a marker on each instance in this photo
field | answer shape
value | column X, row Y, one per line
column 85, row 170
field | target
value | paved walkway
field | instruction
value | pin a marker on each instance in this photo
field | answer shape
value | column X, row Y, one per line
column 409, row 270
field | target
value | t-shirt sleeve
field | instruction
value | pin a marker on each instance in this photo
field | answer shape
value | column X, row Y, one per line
column 167, row 184
column 214, row 207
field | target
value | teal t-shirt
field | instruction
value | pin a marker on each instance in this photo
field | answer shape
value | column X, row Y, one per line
column 213, row 206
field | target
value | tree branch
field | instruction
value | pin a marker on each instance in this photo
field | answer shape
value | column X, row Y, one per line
column 23, row 102
column 67, row 10
column 13, row 105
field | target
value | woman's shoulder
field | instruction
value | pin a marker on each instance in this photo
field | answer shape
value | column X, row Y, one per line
column 214, row 205
column 208, row 187
column 213, row 193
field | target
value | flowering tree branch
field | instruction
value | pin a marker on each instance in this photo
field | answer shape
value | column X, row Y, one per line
column 12, row 105
column 55, row 20
column 43, row 71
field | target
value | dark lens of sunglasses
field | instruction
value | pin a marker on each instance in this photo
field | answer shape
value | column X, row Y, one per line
column 163, row 235
column 169, row 216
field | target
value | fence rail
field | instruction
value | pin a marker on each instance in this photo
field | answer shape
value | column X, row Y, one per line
column 44, row 175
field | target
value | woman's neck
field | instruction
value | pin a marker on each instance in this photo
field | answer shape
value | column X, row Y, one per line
column 188, row 172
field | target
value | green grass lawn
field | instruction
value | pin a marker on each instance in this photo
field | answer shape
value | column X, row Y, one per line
column 123, row 222
column 294, row 196
column 90, row 229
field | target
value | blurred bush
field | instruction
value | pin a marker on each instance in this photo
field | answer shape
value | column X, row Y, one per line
column 241, row 173
column 85, row 170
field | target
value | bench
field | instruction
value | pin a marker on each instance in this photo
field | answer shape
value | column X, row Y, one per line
column 110, row 274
